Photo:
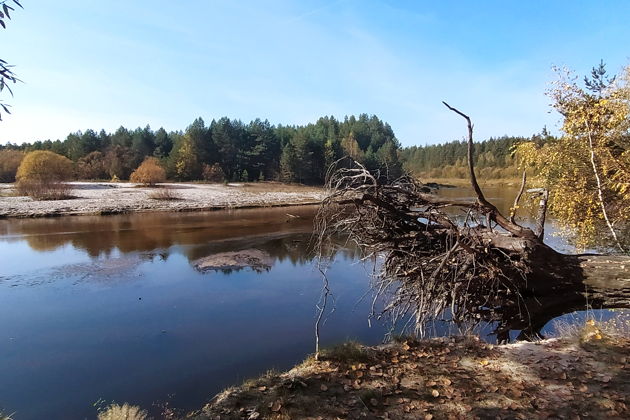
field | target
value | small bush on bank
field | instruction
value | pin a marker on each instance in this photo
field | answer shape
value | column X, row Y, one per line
column 149, row 172
column 166, row 193
column 41, row 176
column 9, row 163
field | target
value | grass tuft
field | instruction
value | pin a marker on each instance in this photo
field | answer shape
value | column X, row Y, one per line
column 122, row 412
column 593, row 331
column 350, row 351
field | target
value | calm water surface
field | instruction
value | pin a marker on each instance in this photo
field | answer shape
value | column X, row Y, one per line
column 110, row 307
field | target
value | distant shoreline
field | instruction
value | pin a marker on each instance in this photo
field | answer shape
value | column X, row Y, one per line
column 465, row 182
column 107, row 198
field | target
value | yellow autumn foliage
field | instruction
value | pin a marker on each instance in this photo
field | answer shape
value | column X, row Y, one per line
column 596, row 140
column 41, row 174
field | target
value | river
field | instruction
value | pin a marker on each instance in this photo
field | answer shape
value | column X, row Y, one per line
column 95, row 309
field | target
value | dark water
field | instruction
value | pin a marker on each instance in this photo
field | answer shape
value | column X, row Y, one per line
column 110, row 307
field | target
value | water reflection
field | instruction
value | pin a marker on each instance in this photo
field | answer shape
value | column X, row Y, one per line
column 111, row 307
column 99, row 235
column 118, row 244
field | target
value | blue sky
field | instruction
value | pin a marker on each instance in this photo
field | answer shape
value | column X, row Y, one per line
column 101, row 64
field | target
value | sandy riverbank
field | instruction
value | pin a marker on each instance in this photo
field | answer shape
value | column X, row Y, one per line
column 115, row 198
column 449, row 378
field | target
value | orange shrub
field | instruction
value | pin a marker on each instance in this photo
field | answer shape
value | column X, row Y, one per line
column 150, row 172
column 9, row 162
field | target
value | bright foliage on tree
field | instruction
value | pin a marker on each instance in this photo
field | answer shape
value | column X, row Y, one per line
column 587, row 170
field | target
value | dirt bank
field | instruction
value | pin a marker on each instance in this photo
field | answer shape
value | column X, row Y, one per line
column 114, row 198
column 453, row 378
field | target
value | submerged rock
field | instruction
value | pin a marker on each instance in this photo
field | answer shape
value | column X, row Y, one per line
column 235, row 260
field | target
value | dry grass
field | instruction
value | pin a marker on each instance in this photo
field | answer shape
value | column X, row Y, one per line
column 6, row 416
column 593, row 330
column 122, row 412
column 9, row 192
column 254, row 382
column 350, row 351
column 44, row 190
column 165, row 193
column 459, row 377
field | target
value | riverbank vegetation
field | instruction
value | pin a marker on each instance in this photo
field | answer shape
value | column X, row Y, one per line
column 494, row 158
column 41, row 175
column 226, row 150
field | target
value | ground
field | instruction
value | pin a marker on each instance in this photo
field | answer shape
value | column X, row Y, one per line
column 447, row 378
column 113, row 198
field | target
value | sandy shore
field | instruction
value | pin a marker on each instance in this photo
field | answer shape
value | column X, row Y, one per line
column 114, row 198
column 448, row 378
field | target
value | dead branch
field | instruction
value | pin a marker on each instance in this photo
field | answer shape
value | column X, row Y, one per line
column 518, row 198
column 443, row 258
column 492, row 212
column 438, row 253
column 542, row 210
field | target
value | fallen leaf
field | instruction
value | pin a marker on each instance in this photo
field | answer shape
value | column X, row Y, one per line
column 276, row 406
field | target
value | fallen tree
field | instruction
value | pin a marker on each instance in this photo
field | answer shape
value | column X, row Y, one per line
column 464, row 260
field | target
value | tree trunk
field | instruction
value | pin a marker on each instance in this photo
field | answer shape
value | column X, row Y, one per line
column 558, row 284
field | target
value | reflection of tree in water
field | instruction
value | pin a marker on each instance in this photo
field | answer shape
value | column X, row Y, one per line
column 100, row 235
column 296, row 248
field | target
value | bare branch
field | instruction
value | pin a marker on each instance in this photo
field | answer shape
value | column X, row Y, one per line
column 542, row 210
column 493, row 213
column 518, row 198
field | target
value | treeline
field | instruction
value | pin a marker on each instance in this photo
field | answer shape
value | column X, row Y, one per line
column 226, row 149
column 494, row 158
